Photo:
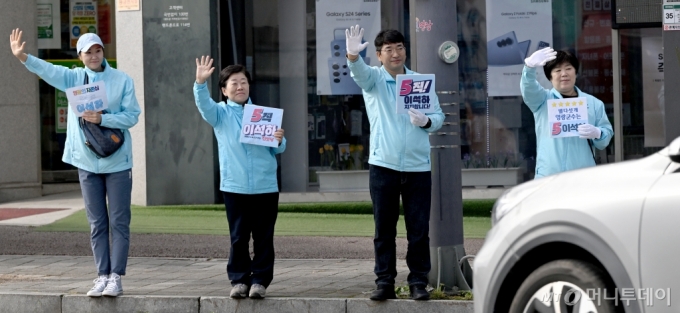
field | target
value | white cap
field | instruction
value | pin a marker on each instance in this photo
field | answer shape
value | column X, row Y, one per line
column 88, row 40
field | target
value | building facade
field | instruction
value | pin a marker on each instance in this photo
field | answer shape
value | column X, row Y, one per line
column 175, row 160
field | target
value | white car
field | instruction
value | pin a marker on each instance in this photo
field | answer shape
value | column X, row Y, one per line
column 601, row 239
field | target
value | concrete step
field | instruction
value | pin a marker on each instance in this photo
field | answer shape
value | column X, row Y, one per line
column 65, row 303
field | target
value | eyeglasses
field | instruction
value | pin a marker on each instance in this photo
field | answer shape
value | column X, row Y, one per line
column 398, row 49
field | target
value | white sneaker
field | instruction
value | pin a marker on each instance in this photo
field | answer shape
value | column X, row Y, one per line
column 99, row 285
column 239, row 291
column 114, row 288
column 257, row 291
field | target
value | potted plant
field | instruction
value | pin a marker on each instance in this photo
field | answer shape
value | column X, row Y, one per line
column 328, row 162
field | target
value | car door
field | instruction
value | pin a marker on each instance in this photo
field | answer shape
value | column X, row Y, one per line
column 659, row 237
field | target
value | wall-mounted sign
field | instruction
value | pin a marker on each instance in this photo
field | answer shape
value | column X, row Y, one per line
column 49, row 24
column 332, row 19
column 423, row 25
column 653, row 87
column 671, row 15
column 515, row 30
column 176, row 16
column 83, row 19
column 61, row 107
column 632, row 13
column 128, row 5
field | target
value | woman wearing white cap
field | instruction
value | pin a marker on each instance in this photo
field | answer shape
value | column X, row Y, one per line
column 99, row 176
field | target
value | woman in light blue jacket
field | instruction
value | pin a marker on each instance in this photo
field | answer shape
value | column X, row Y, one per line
column 99, row 177
column 248, row 180
column 556, row 155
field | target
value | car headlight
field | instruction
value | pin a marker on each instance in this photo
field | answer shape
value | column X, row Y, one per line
column 512, row 197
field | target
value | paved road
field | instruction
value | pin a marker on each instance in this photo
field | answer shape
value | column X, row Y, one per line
column 21, row 240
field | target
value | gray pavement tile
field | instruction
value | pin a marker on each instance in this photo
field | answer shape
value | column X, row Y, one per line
column 4, row 258
column 194, row 277
column 20, row 268
column 218, row 291
column 16, row 286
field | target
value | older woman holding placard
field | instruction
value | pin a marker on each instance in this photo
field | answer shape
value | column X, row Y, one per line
column 248, row 178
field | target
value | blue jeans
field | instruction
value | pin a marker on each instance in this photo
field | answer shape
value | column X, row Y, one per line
column 256, row 214
column 415, row 188
column 114, row 219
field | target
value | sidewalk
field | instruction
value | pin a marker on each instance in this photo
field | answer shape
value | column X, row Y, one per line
column 67, row 203
column 59, row 284
column 189, row 277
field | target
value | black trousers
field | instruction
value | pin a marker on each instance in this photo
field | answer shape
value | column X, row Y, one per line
column 251, row 214
column 415, row 189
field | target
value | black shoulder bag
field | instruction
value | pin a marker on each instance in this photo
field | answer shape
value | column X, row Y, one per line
column 103, row 141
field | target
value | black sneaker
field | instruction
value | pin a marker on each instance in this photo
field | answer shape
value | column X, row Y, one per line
column 418, row 292
column 383, row 292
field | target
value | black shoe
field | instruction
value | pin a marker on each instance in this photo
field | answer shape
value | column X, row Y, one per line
column 418, row 292
column 383, row 292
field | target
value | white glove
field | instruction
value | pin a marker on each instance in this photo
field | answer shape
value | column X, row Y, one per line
column 418, row 118
column 353, row 38
column 540, row 57
column 587, row 131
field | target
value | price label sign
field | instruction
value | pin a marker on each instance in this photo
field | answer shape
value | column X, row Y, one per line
column 671, row 15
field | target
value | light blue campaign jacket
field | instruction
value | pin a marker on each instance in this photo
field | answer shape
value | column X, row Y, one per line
column 244, row 168
column 123, row 113
column 395, row 142
column 555, row 155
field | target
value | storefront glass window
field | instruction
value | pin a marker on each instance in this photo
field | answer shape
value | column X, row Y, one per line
column 338, row 123
column 496, row 126
column 642, row 95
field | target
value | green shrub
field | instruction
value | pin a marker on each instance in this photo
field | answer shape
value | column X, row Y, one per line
column 479, row 208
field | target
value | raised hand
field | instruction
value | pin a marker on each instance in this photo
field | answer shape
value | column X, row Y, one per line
column 353, row 38
column 541, row 57
column 17, row 45
column 204, row 69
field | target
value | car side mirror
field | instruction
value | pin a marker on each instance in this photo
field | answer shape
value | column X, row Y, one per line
column 674, row 150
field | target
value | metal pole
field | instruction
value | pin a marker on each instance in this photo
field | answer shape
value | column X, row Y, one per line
column 233, row 32
column 618, row 107
column 446, row 213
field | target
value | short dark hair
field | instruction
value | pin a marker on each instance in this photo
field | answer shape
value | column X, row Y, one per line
column 388, row 36
column 562, row 56
column 231, row 70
